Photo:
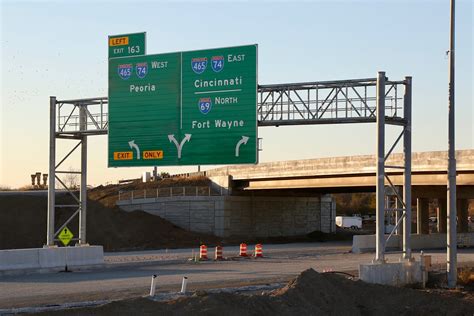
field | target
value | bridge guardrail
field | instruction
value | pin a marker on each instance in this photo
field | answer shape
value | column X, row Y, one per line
column 168, row 192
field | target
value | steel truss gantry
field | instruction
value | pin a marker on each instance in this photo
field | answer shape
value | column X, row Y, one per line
column 72, row 120
column 370, row 100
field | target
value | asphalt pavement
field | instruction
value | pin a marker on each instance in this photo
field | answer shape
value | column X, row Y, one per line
column 129, row 274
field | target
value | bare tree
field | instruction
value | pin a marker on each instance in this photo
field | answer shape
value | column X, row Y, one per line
column 71, row 180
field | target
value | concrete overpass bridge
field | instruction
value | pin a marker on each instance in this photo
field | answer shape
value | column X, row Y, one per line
column 350, row 174
column 358, row 174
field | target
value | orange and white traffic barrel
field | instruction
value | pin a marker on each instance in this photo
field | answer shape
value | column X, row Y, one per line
column 218, row 255
column 203, row 252
column 258, row 251
column 243, row 250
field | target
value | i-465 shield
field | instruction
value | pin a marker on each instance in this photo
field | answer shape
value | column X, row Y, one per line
column 125, row 71
column 199, row 64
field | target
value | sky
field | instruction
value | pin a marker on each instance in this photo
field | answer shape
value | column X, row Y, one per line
column 59, row 48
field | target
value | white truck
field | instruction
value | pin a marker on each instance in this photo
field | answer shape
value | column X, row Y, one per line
column 352, row 222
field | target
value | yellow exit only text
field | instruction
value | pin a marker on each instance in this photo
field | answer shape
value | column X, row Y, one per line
column 153, row 154
column 123, row 155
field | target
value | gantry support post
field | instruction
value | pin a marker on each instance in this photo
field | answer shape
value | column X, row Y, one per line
column 83, row 192
column 451, row 194
column 407, row 170
column 380, row 173
column 52, row 171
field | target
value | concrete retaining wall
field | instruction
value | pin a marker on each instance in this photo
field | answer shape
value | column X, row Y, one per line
column 50, row 258
column 242, row 215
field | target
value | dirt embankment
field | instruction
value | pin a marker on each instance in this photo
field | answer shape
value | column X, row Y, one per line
column 23, row 225
column 108, row 195
column 310, row 293
column 23, row 221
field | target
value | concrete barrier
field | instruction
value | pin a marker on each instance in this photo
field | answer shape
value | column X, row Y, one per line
column 366, row 243
column 50, row 258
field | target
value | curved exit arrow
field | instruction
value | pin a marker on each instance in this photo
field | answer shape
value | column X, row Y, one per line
column 244, row 141
column 133, row 145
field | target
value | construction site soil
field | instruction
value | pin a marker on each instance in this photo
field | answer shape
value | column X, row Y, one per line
column 23, row 222
column 311, row 293
column 23, row 225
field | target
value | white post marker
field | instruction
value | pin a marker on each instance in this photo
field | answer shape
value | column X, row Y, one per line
column 153, row 285
column 133, row 145
column 184, row 285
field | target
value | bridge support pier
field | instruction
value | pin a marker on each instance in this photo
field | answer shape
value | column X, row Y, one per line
column 422, row 216
column 442, row 213
column 462, row 212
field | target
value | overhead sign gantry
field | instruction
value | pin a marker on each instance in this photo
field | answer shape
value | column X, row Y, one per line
column 186, row 110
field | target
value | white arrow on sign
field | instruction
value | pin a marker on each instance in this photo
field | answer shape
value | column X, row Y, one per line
column 133, row 145
column 244, row 141
column 179, row 147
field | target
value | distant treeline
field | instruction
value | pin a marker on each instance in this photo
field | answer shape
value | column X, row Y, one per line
column 364, row 203
column 353, row 203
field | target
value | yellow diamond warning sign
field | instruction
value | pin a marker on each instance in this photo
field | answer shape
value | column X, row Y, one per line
column 65, row 236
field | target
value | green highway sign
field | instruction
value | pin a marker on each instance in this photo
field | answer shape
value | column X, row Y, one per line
column 185, row 108
column 127, row 45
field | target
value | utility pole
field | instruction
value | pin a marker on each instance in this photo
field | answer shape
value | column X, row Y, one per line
column 452, row 234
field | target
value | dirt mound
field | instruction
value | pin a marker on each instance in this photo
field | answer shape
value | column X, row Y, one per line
column 23, row 225
column 310, row 293
column 318, row 294
column 22, row 221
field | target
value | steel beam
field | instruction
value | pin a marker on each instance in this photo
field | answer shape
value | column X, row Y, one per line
column 292, row 122
column 451, row 194
column 407, row 172
column 380, row 172
column 52, row 170
column 304, row 85
column 83, row 193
